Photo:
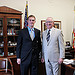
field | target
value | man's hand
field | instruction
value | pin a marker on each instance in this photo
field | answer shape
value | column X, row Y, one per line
column 18, row 60
column 42, row 60
column 60, row 60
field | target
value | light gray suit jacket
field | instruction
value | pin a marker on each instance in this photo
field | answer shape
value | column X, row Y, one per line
column 54, row 49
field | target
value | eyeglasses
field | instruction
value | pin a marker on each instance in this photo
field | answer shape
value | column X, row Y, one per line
column 31, row 20
column 49, row 21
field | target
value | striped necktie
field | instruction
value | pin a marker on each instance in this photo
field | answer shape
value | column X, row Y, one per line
column 48, row 36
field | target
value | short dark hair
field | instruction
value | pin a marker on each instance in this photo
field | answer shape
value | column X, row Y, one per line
column 31, row 16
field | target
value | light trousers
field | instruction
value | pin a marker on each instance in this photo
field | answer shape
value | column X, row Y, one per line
column 52, row 68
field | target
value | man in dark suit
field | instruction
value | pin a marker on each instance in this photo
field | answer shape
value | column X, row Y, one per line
column 28, row 48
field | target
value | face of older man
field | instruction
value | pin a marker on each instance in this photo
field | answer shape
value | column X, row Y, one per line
column 49, row 23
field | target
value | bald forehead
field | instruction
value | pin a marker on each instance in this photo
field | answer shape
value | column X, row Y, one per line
column 49, row 19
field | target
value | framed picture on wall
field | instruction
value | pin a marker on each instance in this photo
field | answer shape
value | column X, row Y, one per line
column 57, row 24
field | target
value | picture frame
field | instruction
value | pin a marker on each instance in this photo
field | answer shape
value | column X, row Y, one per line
column 57, row 24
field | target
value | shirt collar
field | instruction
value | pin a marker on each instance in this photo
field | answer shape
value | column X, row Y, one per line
column 49, row 29
column 29, row 29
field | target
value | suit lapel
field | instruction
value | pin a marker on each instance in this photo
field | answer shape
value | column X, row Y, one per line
column 35, row 31
column 45, row 35
column 52, row 34
column 27, row 34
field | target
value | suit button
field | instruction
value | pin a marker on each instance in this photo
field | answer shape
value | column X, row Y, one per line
column 37, row 41
column 32, row 49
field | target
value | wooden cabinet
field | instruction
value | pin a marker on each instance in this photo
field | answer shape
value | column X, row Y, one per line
column 69, row 53
column 10, row 24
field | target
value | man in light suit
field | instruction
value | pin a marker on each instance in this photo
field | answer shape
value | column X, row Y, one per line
column 28, row 48
column 52, row 48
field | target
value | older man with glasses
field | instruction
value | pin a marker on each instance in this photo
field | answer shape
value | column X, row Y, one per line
column 53, row 50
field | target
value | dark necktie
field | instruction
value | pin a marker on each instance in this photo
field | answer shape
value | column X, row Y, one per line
column 48, row 36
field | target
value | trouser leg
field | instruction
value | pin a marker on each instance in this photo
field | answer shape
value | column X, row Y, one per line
column 55, row 67
column 34, row 66
column 52, row 68
column 24, row 68
column 49, row 70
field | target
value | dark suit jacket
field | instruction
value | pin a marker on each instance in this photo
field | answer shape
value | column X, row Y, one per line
column 25, row 46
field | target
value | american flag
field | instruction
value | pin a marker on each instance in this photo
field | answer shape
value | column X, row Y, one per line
column 73, row 36
column 26, row 15
column 73, row 33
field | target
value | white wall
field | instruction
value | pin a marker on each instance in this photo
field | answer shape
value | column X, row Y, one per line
column 60, row 10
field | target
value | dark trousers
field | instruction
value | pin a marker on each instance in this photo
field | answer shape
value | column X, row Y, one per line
column 32, row 65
